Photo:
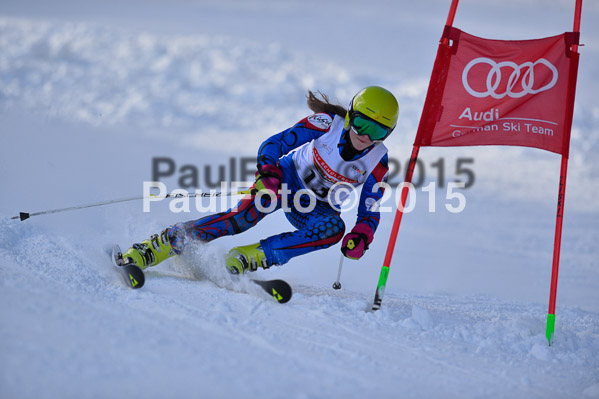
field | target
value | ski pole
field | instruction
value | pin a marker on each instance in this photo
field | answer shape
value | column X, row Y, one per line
column 337, row 283
column 25, row 215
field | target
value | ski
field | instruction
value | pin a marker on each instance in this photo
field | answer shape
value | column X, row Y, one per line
column 132, row 274
column 134, row 277
column 279, row 289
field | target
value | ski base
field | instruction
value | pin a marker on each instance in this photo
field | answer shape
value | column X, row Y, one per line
column 280, row 290
column 132, row 274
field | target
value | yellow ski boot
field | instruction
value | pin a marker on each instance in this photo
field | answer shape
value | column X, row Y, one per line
column 246, row 258
column 150, row 252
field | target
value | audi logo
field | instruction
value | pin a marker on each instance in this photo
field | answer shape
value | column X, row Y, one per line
column 494, row 78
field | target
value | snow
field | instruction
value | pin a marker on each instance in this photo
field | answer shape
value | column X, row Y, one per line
column 90, row 92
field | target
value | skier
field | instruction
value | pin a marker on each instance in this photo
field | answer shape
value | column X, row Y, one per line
column 334, row 146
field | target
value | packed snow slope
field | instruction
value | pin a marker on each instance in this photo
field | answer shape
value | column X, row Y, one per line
column 92, row 92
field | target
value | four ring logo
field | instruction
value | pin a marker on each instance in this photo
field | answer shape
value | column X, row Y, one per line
column 494, row 78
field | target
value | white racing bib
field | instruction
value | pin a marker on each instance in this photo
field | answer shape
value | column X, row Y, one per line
column 320, row 166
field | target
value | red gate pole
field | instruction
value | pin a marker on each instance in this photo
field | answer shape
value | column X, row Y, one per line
column 378, row 296
column 452, row 10
column 561, row 199
column 380, row 289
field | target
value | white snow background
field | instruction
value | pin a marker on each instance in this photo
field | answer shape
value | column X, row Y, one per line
column 90, row 92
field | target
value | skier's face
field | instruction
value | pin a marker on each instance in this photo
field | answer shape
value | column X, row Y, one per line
column 359, row 142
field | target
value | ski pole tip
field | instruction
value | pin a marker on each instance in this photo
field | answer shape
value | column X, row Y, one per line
column 22, row 216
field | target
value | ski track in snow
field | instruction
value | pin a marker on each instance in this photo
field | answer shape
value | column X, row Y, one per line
column 72, row 330
column 205, row 340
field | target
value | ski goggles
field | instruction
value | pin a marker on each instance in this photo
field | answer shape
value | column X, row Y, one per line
column 365, row 126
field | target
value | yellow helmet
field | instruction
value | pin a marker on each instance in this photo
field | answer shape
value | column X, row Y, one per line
column 373, row 112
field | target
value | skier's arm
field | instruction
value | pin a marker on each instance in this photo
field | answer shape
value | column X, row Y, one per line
column 372, row 193
column 303, row 132
column 356, row 242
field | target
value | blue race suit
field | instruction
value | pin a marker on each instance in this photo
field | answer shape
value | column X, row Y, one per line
column 318, row 229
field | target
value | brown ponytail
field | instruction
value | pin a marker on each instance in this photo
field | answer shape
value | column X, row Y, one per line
column 324, row 105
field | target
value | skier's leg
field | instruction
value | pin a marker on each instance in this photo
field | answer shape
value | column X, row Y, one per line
column 234, row 221
column 317, row 229
column 172, row 240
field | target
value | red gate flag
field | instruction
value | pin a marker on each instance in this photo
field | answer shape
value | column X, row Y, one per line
column 498, row 92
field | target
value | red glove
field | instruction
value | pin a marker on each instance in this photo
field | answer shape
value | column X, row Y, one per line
column 268, row 177
column 356, row 242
